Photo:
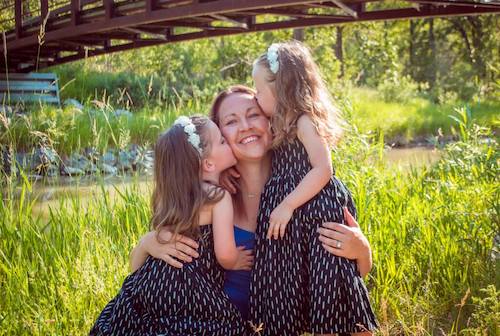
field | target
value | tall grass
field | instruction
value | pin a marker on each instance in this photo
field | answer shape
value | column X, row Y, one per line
column 431, row 231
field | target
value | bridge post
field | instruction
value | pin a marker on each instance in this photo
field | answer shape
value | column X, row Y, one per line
column 18, row 13
column 75, row 11
column 150, row 5
column 44, row 9
column 109, row 7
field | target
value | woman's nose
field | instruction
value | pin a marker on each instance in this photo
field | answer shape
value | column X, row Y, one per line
column 244, row 125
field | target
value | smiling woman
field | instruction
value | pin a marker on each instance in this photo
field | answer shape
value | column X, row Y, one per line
column 247, row 132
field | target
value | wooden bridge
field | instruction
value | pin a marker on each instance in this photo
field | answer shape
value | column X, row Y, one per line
column 42, row 33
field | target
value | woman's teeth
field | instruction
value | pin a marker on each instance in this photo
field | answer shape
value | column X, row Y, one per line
column 249, row 139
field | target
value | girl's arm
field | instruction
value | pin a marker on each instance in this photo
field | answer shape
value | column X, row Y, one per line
column 222, row 223
column 173, row 252
column 321, row 172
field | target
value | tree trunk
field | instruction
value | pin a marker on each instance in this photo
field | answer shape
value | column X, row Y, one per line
column 412, row 49
column 432, row 48
column 298, row 34
column 339, row 50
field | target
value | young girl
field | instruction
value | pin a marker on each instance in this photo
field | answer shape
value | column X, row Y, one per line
column 297, row 286
column 161, row 299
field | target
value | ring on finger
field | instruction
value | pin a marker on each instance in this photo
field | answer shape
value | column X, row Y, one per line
column 339, row 244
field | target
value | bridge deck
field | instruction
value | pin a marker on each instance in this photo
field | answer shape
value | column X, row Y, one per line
column 43, row 33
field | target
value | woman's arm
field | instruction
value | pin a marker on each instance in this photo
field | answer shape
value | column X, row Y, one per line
column 353, row 243
column 179, row 249
column 312, row 183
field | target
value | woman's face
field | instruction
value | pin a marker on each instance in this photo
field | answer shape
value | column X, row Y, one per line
column 244, row 126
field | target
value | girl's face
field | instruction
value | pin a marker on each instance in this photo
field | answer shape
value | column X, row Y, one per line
column 220, row 153
column 265, row 95
column 244, row 126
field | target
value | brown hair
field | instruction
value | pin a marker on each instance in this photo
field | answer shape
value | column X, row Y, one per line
column 214, row 111
column 300, row 90
column 178, row 194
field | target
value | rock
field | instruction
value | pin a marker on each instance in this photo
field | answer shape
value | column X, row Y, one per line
column 73, row 103
column 77, row 165
column 71, row 171
column 124, row 161
column 122, row 113
column 7, row 165
column 91, row 154
column 109, row 158
column 109, row 170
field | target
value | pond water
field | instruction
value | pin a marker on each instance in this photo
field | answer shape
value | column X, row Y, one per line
column 50, row 192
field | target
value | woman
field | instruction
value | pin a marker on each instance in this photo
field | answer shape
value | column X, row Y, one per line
column 246, row 129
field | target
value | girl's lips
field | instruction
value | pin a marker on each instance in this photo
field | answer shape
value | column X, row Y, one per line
column 249, row 139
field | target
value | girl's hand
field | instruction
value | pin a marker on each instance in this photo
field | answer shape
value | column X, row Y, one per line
column 180, row 248
column 229, row 180
column 245, row 260
column 279, row 220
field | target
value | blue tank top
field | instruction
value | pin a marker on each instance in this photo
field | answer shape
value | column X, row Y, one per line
column 237, row 283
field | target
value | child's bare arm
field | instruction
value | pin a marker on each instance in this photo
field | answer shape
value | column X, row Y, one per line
column 222, row 223
column 320, row 159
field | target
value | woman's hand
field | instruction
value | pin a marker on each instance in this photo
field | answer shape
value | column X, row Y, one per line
column 347, row 241
column 173, row 252
column 229, row 180
column 244, row 261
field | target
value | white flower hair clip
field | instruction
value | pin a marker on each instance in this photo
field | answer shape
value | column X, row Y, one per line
column 190, row 129
column 272, row 58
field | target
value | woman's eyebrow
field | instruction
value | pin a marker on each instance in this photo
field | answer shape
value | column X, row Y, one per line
column 229, row 115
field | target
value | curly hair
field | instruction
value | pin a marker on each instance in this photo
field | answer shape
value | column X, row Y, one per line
column 300, row 90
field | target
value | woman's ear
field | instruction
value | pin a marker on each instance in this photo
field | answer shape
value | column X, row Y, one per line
column 208, row 165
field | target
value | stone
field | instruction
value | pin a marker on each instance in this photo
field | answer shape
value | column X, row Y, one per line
column 73, row 103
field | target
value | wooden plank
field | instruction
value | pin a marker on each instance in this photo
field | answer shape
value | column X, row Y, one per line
column 29, row 76
column 14, row 97
column 27, row 86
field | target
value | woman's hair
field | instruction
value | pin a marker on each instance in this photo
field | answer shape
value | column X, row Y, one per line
column 299, row 90
column 214, row 111
column 178, row 194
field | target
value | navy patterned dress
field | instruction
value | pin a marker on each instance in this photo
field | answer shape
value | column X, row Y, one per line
column 159, row 299
column 297, row 286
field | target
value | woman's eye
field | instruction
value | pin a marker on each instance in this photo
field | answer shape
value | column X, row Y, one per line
column 253, row 115
column 229, row 122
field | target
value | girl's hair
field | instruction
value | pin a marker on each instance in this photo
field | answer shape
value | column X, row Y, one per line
column 214, row 111
column 299, row 90
column 179, row 195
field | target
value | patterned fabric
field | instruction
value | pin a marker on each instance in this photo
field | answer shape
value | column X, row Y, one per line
column 297, row 286
column 159, row 299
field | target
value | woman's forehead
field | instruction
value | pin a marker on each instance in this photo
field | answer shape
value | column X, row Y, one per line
column 237, row 103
